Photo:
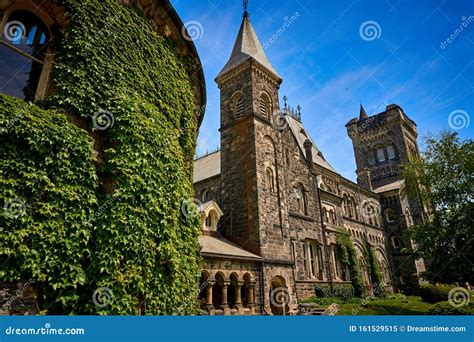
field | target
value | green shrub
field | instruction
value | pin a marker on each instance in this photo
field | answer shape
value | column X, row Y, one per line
column 445, row 308
column 342, row 291
column 435, row 293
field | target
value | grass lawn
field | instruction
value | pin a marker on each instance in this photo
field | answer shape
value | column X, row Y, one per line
column 409, row 306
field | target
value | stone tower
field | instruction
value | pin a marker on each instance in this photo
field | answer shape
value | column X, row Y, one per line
column 382, row 143
column 251, row 159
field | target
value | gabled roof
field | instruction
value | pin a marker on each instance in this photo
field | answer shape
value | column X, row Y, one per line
column 207, row 167
column 299, row 132
column 247, row 46
column 220, row 247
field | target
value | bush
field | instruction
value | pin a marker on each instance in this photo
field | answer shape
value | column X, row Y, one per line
column 342, row 291
column 445, row 308
column 435, row 293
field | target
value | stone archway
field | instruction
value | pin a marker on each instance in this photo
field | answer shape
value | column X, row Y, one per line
column 279, row 297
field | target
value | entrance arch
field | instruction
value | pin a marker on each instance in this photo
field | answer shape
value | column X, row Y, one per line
column 279, row 296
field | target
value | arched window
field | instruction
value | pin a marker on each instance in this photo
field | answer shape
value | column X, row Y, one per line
column 332, row 216
column 391, row 152
column 238, row 105
column 371, row 158
column 269, row 181
column 325, row 215
column 301, row 199
column 345, row 205
column 265, row 106
column 23, row 54
column 211, row 220
column 380, row 155
column 205, row 195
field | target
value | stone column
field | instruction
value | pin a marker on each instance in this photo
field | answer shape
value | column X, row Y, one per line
column 224, row 304
column 238, row 296
column 251, row 295
column 208, row 304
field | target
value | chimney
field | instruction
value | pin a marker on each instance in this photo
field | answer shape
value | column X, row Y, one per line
column 308, row 147
column 364, row 178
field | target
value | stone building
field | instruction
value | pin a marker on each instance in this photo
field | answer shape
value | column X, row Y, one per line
column 272, row 204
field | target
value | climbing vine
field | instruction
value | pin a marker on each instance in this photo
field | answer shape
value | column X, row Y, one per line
column 104, row 206
column 348, row 257
column 375, row 274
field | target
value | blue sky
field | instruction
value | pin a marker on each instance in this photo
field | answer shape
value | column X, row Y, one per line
column 329, row 64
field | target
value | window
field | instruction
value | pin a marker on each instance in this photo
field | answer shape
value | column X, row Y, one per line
column 305, row 258
column 269, row 181
column 391, row 152
column 265, row 107
column 345, row 205
column 371, row 158
column 312, row 259
column 301, row 200
column 23, row 55
column 325, row 215
column 238, row 105
column 205, row 195
column 390, row 215
column 396, row 242
column 380, row 155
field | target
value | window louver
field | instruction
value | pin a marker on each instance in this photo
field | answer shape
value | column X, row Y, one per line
column 239, row 108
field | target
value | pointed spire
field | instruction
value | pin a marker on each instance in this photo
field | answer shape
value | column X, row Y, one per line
column 247, row 46
column 246, row 6
column 363, row 114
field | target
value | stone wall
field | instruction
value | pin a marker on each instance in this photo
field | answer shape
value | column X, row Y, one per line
column 18, row 299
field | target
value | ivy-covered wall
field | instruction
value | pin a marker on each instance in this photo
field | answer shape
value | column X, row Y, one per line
column 103, row 201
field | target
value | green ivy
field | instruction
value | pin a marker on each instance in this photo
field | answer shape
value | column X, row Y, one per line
column 132, row 238
column 375, row 274
column 348, row 256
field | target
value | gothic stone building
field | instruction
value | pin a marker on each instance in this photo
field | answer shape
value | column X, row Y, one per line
column 272, row 204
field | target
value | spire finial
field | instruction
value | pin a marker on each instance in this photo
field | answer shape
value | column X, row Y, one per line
column 246, row 6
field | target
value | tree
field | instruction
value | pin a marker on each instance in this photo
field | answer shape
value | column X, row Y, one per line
column 443, row 179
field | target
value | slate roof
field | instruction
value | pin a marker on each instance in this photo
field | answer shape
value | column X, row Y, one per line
column 224, row 248
column 391, row 186
column 247, row 46
column 207, row 167
column 298, row 129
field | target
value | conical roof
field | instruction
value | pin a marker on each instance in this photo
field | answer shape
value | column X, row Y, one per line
column 247, row 46
column 363, row 114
